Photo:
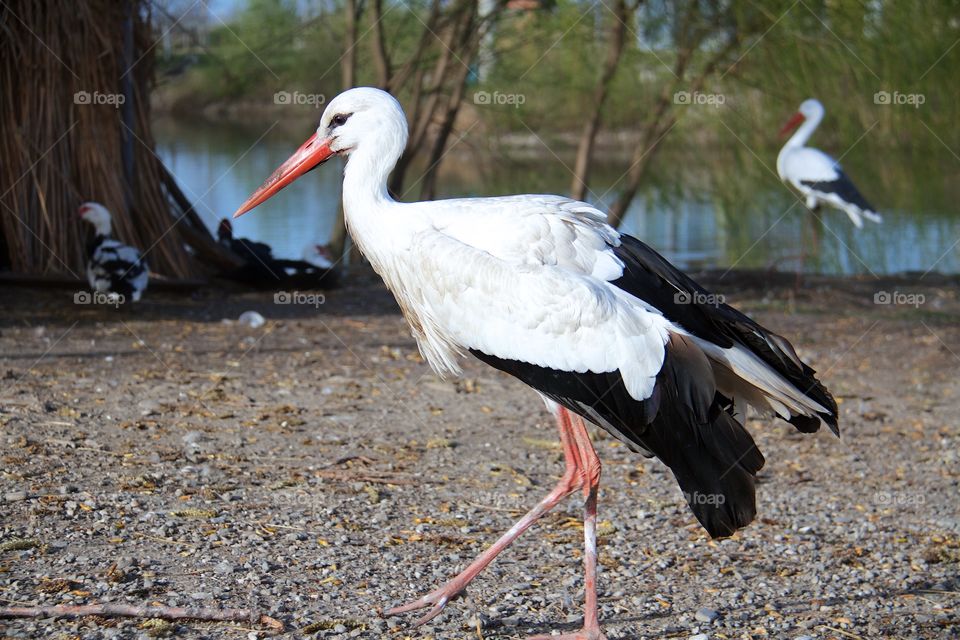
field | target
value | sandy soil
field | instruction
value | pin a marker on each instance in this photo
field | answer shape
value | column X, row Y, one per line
column 316, row 470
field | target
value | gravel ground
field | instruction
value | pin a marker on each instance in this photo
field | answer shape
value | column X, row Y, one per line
column 315, row 469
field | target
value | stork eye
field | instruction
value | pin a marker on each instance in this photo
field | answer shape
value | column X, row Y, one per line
column 339, row 119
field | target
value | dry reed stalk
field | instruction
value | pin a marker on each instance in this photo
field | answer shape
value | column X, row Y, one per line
column 57, row 152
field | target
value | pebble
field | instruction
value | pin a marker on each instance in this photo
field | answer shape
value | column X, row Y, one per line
column 193, row 438
column 15, row 496
column 251, row 319
column 148, row 408
column 706, row 615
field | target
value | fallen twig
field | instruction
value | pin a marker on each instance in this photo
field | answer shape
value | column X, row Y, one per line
column 165, row 540
column 132, row 611
column 842, row 632
column 487, row 507
column 376, row 478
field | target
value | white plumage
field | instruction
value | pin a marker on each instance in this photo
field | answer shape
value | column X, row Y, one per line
column 522, row 277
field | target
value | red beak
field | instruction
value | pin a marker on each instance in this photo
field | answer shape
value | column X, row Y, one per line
column 311, row 154
column 792, row 123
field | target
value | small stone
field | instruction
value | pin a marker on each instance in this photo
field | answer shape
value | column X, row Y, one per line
column 700, row 636
column 251, row 319
column 14, row 496
column 148, row 408
column 704, row 614
column 193, row 438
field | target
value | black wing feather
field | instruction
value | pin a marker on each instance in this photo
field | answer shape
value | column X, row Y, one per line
column 648, row 276
column 686, row 424
column 843, row 187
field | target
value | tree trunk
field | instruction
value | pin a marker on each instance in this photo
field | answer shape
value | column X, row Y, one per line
column 427, row 94
column 428, row 189
column 584, row 160
column 470, row 34
column 662, row 120
column 381, row 58
column 348, row 74
column 348, row 64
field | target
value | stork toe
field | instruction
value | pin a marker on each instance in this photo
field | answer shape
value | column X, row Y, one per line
column 436, row 600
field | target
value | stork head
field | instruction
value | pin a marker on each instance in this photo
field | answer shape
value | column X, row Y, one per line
column 359, row 121
column 97, row 215
column 810, row 109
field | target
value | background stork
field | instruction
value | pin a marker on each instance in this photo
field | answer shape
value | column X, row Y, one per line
column 817, row 176
column 113, row 268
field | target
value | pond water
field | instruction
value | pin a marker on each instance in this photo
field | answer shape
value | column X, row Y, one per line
column 719, row 209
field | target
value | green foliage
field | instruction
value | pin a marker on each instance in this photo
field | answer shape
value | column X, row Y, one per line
column 841, row 51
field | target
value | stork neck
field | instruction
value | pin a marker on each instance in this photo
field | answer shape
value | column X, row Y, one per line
column 805, row 130
column 103, row 227
column 365, row 178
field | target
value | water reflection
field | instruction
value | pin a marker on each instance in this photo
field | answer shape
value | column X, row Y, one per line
column 728, row 213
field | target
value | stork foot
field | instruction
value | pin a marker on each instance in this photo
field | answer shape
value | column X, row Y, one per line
column 436, row 600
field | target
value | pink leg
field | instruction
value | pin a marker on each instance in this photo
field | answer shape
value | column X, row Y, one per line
column 583, row 472
column 572, row 480
column 591, row 483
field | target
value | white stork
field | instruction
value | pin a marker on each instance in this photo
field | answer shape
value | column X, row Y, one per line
column 598, row 323
column 113, row 268
column 817, row 176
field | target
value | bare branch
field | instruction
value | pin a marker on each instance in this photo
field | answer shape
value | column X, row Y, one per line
column 381, row 58
column 132, row 611
column 584, row 160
